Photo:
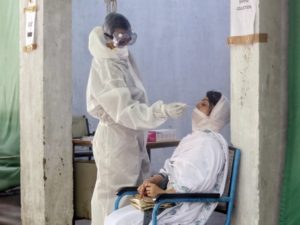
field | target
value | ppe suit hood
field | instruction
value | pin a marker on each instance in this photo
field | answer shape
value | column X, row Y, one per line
column 217, row 119
column 99, row 50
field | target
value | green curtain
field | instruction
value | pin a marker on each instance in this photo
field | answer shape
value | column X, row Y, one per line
column 9, row 95
column 290, row 199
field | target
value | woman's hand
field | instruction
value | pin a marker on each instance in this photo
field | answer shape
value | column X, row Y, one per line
column 152, row 190
column 142, row 189
column 155, row 180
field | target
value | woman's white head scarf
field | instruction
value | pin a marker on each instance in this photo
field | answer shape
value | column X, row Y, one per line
column 217, row 119
column 199, row 164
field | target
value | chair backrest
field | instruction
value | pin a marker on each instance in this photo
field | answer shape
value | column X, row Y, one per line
column 80, row 126
column 229, row 191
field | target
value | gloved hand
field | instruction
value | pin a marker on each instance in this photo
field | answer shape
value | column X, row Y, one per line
column 174, row 110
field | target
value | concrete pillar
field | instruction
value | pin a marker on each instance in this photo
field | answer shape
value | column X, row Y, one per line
column 258, row 116
column 45, row 115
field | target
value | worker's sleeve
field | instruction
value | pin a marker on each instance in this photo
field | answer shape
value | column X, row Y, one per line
column 115, row 98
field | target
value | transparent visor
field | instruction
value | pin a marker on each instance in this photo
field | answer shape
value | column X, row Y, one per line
column 121, row 39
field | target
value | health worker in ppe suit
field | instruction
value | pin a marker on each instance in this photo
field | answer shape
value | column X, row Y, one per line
column 116, row 96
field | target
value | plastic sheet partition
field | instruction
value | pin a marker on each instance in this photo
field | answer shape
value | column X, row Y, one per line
column 9, row 95
column 290, row 204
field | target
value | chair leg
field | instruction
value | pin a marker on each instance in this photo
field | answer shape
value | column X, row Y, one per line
column 229, row 213
column 154, row 214
column 117, row 202
column 227, row 221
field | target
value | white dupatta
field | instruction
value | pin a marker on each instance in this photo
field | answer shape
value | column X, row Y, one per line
column 199, row 164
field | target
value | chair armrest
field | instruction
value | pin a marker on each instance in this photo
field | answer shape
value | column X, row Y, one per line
column 123, row 190
column 179, row 196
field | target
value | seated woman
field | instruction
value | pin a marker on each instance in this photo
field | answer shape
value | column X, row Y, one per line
column 198, row 164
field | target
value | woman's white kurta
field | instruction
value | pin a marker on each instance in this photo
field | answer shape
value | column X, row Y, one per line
column 199, row 164
column 116, row 96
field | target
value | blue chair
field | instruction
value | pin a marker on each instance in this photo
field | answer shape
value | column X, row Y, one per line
column 225, row 201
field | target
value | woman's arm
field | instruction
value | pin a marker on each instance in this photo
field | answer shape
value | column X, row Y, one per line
column 152, row 190
column 151, row 186
column 155, row 179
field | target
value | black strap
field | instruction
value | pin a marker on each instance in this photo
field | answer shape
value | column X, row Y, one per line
column 148, row 215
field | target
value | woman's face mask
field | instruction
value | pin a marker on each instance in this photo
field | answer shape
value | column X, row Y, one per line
column 199, row 119
column 200, row 115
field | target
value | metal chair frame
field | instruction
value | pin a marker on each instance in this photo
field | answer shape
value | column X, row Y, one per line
column 193, row 197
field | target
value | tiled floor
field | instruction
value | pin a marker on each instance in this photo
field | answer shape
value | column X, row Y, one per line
column 215, row 219
column 10, row 213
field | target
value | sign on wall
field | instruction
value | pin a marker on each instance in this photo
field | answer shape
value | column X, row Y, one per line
column 244, row 23
column 30, row 15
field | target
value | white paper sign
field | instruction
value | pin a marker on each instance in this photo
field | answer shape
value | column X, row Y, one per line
column 30, row 16
column 243, row 17
column 30, row 25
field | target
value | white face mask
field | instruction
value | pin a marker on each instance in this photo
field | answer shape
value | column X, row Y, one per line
column 122, row 52
column 199, row 120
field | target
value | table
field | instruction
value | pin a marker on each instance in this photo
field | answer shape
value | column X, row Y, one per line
column 149, row 146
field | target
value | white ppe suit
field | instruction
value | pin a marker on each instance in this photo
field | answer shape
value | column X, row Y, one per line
column 116, row 96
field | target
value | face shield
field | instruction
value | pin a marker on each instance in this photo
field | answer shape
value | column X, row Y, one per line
column 121, row 38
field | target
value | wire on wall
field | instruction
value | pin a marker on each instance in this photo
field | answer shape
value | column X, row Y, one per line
column 111, row 6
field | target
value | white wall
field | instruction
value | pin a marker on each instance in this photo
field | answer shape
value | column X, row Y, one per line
column 181, row 50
